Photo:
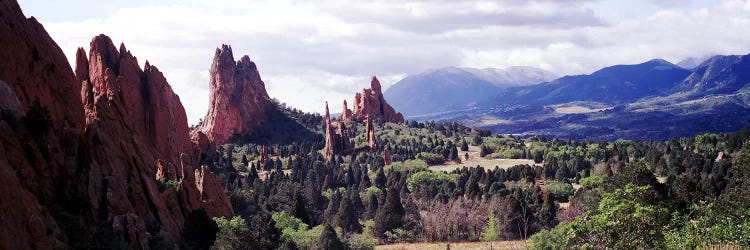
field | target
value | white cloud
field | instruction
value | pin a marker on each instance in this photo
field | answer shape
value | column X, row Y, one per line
column 309, row 52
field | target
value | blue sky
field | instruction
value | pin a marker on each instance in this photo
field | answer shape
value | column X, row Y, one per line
column 309, row 52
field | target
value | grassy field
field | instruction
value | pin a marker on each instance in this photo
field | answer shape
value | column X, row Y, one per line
column 474, row 160
column 495, row 245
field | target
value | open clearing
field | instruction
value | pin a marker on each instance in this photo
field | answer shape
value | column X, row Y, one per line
column 456, row 246
column 474, row 160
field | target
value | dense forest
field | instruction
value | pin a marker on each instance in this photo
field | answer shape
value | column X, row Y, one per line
column 682, row 193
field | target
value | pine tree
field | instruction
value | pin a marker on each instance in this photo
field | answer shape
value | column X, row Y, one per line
column 329, row 240
column 391, row 215
column 372, row 206
column 299, row 210
column 346, row 217
column 380, row 179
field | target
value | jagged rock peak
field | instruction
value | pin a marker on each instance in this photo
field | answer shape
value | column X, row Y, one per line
column 238, row 100
column 370, row 102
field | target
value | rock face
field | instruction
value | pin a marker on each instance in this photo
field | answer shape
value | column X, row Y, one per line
column 238, row 99
column 97, row 164
column 336, row 142
column 370, row 102
column 346, row 114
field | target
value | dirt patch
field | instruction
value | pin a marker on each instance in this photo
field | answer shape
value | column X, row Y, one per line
column 474, row 160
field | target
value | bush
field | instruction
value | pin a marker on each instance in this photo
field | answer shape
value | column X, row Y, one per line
column 561, row 190
column 426, row 178
column 431, row 158
column 361, row 242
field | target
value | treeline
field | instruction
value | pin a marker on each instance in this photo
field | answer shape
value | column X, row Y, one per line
column 363, row 201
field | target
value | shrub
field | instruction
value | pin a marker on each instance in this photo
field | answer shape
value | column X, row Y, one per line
column 561, row 190
column 431, row 158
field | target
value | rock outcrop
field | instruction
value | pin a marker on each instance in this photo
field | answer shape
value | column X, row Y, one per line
column 386, row 156
column 370, row 102
column 238, row 100
column 370, row 134
column 346, row 114
column 114, row 129
column 336, row 142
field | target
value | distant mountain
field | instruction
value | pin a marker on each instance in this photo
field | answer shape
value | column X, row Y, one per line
column 456, row 88
column 717, row 75
column 612, row 85
column 692, row 62
column 654, row 100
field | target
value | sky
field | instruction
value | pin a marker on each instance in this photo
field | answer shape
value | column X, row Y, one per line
column 309, row 52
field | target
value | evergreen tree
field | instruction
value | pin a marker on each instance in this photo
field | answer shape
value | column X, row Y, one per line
column 200, row 230
column 299, row 210
column 329, row 240
column 380, row 179
column 346, row 218
column 391, row 215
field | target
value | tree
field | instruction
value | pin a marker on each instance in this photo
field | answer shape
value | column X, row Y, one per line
column 490, row 232
column 233, row 234
column 299, row 210
column 346, row 218
column 200, row 230
column 329, row 240
column 380, row 179
column 391, row 215
column 464, row 146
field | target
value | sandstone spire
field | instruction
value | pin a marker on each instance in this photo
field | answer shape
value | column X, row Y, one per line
column 370, row 102
column 238, row 100
column 336, row 142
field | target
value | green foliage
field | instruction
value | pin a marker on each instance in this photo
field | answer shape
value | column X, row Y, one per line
column 288, row 224
column 561, row 190
column 431, row 158
column 593, row 181
column 233, row 234
column 361, row 242
column 490, row 232
column 427, row 178
column 709, row 231
column 417, row 164
column 399, row 235
column 560, row 237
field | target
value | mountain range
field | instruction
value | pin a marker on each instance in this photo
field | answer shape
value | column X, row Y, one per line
column 651, row 100
column 454, row 88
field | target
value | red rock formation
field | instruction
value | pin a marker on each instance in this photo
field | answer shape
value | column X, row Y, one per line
column 386, row 156
column 346, row 114
column 35, row 67
column 212, row 194
column 238, row 100
column 370, row 102
column 370, row 134
column 104, row 149
column 336, row 142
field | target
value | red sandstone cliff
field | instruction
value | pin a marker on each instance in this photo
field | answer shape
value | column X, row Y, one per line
column 115, row 126
column 370, row 102
column 237, row 98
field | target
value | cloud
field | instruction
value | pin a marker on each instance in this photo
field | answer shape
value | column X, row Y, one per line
column 311, row 51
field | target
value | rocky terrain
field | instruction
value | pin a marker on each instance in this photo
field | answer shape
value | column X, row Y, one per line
column 81, row 151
